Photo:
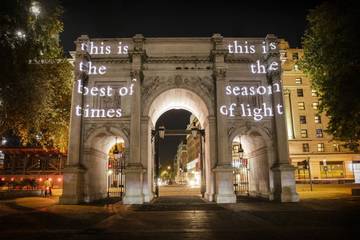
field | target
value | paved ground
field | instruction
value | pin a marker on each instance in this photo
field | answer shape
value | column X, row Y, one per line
column 179, row 190
column 182, row 217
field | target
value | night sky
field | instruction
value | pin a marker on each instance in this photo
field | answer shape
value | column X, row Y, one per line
column 118, row 18
column 183, row 19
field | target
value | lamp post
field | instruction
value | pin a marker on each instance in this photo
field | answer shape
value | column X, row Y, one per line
column 241, row 152
column 116, row 155
column 35, row 9
column 238, row 168
column 194, row 132
column 325, row 167
column 156, row 135
column 309, row 169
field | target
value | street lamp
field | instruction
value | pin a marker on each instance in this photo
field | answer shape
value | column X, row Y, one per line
column 116, row 151
column 194, row 131
column 325, row 167
column 35, row 8
column 241, row 151
column 3, row 141
column 119, row 166
column 162, row 132
column 20, row 34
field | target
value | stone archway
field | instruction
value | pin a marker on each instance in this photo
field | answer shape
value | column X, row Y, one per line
column 267, row 175
column 258, row 150
column 180, row 98
column 97, row 145
column 166, row 73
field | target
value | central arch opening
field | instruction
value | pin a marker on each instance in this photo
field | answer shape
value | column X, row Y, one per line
column 190, row 104
column 179, row 158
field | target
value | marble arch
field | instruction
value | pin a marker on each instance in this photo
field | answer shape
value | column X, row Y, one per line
column 165, row 73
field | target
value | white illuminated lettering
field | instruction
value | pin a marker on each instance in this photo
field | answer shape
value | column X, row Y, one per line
column 263, row 48
column 272, row 46
column 78, row 110
column 261, row 90
column 223, row 110
column 94, row 91
column 231, row 109
column 258, row 67
column 102, row 70
column 279, row 109
column 273, row 66
column 230, row 47
column 228, row 90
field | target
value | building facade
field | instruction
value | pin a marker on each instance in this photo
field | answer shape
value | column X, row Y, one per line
column 180, row 163
column 328, row 160
column 123, row 85
column 35, row 163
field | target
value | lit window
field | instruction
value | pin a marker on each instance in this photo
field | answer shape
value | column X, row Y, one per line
column 317, row 119
column 302, row 119
column 303, row 133
column 301, row 105
column 295, row 56
column 283, row 55
column 298, row 80
column 300, row 92
column 319, row 133
column 320, row 147
column 296, row 67
column 336, row 147
column 314, row 93
column 315, row 105
column 332, row 169
column 306, row 147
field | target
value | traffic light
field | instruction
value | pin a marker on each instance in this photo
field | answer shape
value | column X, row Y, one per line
column 305, row 163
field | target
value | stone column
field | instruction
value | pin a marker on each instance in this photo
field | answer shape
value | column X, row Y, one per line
column 283, row 171
column 224, row 192
column 134, row 169
column 73, row 190
column 145, row 156
column 288, row 113
column 210, row 157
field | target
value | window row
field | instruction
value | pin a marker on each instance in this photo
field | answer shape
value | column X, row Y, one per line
column 301, row 105
column 295, row 55
column 304, row 133
column 300, row 91
column 302, row 119
column 320, row 147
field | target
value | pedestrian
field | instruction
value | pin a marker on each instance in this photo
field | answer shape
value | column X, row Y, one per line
column 47, row 185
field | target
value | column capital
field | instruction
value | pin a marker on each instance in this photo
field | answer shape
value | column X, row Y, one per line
column 217, row 39
column 219, row 73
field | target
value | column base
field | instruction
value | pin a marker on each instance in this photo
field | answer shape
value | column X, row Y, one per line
column 284, row 183
column 148, row 197
column 133, row 199
column 209, row 197
column 73, row 188
column 224, row 188
column 134, row 184
column 223, row 198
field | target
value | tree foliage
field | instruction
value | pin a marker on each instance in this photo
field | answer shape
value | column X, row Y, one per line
column 35, row 80
column 332, row 60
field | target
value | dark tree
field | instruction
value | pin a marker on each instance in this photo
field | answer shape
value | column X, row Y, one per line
column 35, row 79
column 332, row 60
